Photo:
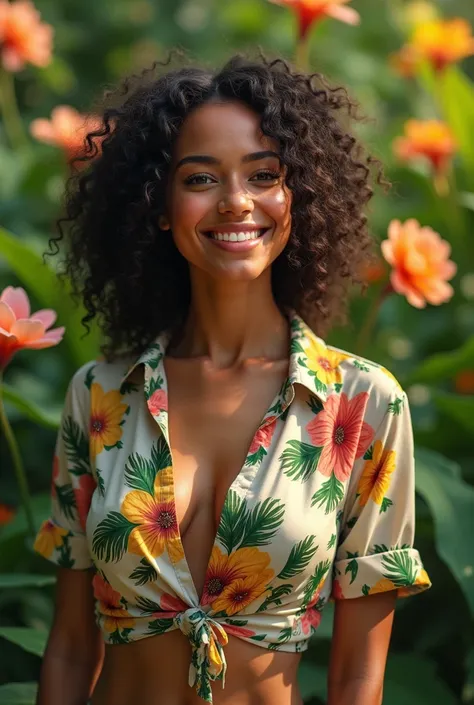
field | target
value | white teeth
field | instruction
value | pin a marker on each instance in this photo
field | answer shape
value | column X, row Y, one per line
column 236, row 237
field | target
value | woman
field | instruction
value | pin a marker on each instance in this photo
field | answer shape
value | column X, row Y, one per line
column 223, row 473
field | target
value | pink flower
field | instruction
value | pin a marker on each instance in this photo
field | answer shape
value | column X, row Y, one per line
column 23, row 37
column 341, row 429
column 336, row 592
column 170, row 603
column 238, row 631
column 310, row 11
column 83, row 495
column 264, row 435
column 158, row 402
column 67, row 129
column 420, row 264
column 311, row 618
column 19, row 329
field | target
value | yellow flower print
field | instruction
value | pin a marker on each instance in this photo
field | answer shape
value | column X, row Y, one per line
column 157, row 528
column 324, row 362
column 107, row 411
column 114, row 615
column 377, row 474
column 383, row 585
column 50, row 536
column 224, row 570
column 388, row 374
column 422, row 581
column 241, row 593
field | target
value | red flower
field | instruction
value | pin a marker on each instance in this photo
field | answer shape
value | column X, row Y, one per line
column 83, row 495
column 238, row 631
column 158, row 402
column 170, row 606
column 340, row 428
column 55, row 476
column 336, row 592
column 264, row 435
column 311, row 618
column 310, row 11
column 6, row 514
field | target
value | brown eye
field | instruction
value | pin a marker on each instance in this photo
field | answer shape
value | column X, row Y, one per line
column 197, row 179
column 267, row 175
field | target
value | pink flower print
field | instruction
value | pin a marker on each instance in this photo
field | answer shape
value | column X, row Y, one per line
column 170, row 606
column 238, row 631
column 83, row 495
column 55, row 476
column 158, row 402
column 336, row 592
column 341, row 430
column 264, row 435
column 311, row 618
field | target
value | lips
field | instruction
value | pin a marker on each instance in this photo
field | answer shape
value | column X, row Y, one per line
column 236, row 235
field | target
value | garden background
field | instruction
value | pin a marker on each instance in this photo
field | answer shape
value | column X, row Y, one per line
column 430, row 349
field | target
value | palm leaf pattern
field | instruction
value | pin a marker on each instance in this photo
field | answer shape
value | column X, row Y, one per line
column 144, row 573
column 329, row 495
column 232, row 523
column 300, row 556
column 400, row 568
column 262, row 522
column 110, row 539
column 77, row 447
column 300, row 460
column 66, row 500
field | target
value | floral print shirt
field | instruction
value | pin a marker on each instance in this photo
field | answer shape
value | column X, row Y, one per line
column 323, row 507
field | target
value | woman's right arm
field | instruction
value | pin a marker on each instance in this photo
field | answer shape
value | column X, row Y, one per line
column 74, row 653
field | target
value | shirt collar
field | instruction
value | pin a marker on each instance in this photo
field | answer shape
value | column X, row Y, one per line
column 312, row 363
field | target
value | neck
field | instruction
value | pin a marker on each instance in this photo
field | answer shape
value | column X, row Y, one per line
column 230, row 322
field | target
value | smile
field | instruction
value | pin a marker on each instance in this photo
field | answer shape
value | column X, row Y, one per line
column 237, row 237
column 241, row 241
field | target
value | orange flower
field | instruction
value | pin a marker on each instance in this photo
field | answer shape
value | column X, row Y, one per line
column 443, row 42
column 421, row 267
column 23, row 37
column 464, row 382
column 49, row 537
column 405, row 62
column 19, row 329
column 310, row 11
column 6, row 514
column 431, row 139
column 67, row 129
column 110, row 606
column 242, row 592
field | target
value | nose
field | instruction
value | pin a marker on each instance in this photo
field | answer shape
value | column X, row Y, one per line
column 236, row 202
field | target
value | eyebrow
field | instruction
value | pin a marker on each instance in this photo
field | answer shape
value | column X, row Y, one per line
column 206, row 159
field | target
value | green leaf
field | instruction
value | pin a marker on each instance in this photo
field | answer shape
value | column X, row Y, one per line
column 160, row 626
column 144, row 573
column 275, row 596
column 300, row 460
column 329, row 495
column 314, row 581
column 77, row 446
column 232, row 522
column 41, row 280
column 352, row 567
column 400, row 568
column 140, row 473
column 18, row 693
column 460, row 408
column 148, row 607
column 396, row 407
column 262, row 522
column 444, row 366
column 312, row 680
column 299, row 557
column 110, row 539
column 66, row 500
column 451, row 501
column 413, row 680
column 386, row 503
column 160, row 454
column 30, row 410
column 31, row 640
column 10, row 581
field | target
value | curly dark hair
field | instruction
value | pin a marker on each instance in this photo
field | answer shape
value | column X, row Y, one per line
column 135, row 280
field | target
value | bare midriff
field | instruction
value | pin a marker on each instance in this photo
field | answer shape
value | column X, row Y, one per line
column 154, row 671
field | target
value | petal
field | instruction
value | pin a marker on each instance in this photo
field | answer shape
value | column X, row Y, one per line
column 17, row 299
column 47, row 317
column 52, row 337
column 7, row 317
column 43, row 131
column 27, row 331
column 344, row 14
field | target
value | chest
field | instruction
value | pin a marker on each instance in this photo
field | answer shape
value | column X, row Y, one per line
column 213, row 418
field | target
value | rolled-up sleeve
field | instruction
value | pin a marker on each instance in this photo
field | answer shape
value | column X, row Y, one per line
column 375, row 551
column 62, row 538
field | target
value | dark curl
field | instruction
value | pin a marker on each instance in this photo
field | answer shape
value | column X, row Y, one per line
column 129, row 273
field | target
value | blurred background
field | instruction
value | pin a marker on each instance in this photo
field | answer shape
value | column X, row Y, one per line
column 430, row 349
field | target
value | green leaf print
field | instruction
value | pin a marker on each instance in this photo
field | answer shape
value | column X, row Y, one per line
column 351, row 522
column 89, row 378
column 300, row 460
column 110, row 539
column 77, row 447
column 369, row 453
column 386, row 503
column 140, row 473
column 144, row 573
column 361, row 366
column 153, row 386
column 148, row 607
column 315, row 404
column 100, row 482
column 329, row 495
column 155, row 356
column 299, row 557
column 256, row 458
column 232, row 523
column 262, row 523
column 318, row 385
column 396, row 407
column 237, row 622
column 66, row 500
column 275, row 596
column 120, row 636
column 400, row 568
column 127, row 387
column 160, row 454
column 296, row 347
column 314, row 581
column 380, row 548
column 65, row 559
column 331, row 542
column 337, row 387
column 365, row 589
column 353, row 566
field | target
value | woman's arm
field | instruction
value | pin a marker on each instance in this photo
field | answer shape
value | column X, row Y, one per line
column 74, row 653
column 361, row 637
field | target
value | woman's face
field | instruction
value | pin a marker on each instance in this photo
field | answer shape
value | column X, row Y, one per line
column 227, row 204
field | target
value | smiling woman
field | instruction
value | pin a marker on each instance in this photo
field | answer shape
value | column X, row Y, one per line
column 224, row 472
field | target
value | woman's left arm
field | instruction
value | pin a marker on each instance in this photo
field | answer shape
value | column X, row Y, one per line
column 361, row 637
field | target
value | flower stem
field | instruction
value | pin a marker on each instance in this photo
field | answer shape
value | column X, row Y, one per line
column 12, row 121
column 368, row 325
column 17, row 464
